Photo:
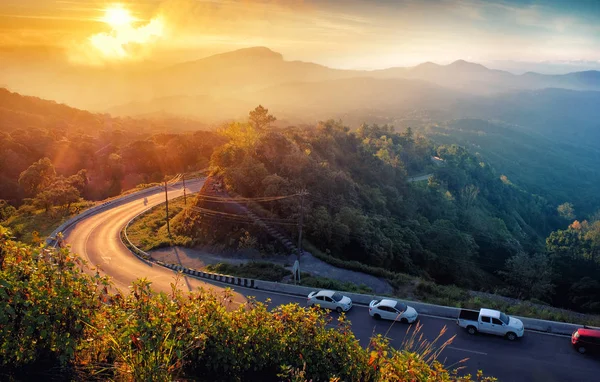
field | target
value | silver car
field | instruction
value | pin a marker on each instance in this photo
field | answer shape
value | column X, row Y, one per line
column 392, row 310
column 330, row 300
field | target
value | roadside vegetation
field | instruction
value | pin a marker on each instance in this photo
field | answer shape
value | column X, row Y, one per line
column 57, row 322
column 255, row 270
column 149, row 230
column 33, row 225
column 317, row 282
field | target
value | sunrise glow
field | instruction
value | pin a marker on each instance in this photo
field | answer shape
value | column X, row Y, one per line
column 117, row 17
column 125, row 40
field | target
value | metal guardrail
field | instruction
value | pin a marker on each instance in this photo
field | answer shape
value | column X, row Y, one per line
column 132, row 247
column 51, row 240
column 233, row 280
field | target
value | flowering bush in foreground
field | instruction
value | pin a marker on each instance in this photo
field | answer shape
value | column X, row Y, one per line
column 55, row 316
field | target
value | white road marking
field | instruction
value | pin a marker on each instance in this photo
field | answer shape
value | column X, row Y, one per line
column 467, row 350
column 548, row 334
column 437, row 317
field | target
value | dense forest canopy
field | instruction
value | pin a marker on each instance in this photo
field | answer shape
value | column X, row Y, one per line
column 561, row 166
column 467, row 225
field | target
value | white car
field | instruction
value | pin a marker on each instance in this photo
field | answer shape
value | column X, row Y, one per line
column 492, row 322
column 393, row 310
column 330, row 300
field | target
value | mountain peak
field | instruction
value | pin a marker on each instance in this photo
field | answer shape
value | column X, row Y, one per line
column 256, row 52
column 427, row 65
column 466, row 65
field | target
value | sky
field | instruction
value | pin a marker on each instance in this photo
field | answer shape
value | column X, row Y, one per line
column 338, row 33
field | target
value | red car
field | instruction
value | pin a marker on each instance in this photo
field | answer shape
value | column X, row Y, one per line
column 586, row 340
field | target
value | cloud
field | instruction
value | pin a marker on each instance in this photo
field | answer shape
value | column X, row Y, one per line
column 123, row 41
column 468, row 9
column 126, row 39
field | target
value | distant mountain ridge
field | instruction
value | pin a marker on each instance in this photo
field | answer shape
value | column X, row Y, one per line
column 232, row 75
column 259, row 75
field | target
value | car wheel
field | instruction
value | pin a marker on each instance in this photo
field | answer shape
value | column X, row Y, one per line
column 471, row 330
column 511, row 336
column 404, row 320
column 581, row 349
column 338, row 309
column 377, row 316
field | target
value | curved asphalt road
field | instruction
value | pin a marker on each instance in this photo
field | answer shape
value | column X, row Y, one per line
column 535, row 357
column 97, row 239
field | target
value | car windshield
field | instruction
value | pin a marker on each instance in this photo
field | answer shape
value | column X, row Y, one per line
column 337, row 297
column 400, row 307
column 504, row 318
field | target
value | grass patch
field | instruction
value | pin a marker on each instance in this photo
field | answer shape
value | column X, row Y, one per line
column 32, row 226
column 447, row 295
column 149, row 230
column 326, row 283
column 397, row 280
column 259, row 270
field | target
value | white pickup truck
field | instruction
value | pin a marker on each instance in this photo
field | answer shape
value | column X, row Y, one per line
column 491, row 322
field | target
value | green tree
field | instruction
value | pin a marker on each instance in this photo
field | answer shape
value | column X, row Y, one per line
column 585, row 294
column 528, row 276
column 37, row 177
column 260, row 118
column 60, row 193
column 591, row 235
column 6, row 210
column 566, row 211
column 79, row 180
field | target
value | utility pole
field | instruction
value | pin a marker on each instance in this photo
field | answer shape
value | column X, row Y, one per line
column 301, row 222
column 184, row 198
column 167, row 204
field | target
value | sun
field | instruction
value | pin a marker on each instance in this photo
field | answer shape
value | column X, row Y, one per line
column 116, row 16
column 129, row 37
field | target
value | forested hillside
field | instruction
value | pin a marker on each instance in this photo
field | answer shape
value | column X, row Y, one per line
column 473, row 224
column 560, row 166
column 469, row 225
column 114, row 153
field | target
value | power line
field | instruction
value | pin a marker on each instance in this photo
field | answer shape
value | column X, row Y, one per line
column 244, row 221
column 243, row 218
column 206, row 210
column 217, row 199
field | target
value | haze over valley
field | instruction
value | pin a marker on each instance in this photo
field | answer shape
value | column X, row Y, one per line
column 560, row 110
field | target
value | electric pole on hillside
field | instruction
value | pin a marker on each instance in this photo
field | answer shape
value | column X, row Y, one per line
column 167, row 209
column 184, row 197
column 302, row 194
